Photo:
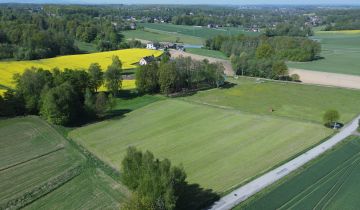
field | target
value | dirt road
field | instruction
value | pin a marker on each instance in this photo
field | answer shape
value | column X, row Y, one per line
column 227, row 64
column 325, row 78
column 237, row 196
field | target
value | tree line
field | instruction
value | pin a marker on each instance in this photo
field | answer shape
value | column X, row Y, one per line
column 265, row 56
column 179, row 74
column 157, row 185
column 63, row 97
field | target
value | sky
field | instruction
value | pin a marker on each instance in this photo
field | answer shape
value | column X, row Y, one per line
column 223, row 2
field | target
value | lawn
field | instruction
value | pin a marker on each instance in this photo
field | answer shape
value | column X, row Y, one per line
column 340, row 52
column 32, row 153
column 218, row 148
column 91, row 190
column 330, row 182
column 197, row 31
column 86, row 47
column 162, row 36
column 297, row 101
column 128, row 57
column 206, row 52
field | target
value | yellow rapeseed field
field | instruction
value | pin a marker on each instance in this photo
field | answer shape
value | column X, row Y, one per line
column 126, row 85
column 128, row 57
column 2, row 91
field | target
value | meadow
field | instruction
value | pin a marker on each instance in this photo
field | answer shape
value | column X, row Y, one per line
column 340, row 52
column 162, row 36
column 290, row 100
column 39, row 167
column 197, row 31
column 32, row 154
column 208, row 53
column 330, row 182
column 92, row 189
column 218, row 148
column 128, row 57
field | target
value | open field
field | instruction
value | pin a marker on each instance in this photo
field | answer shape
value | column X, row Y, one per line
column 128, row 57
column 206, row 52
column 197, row 31
column 91, row 190
column 218, row 148
column 341, row 52
column 32, row 154
column 162, row 36
column 296, row 101
column 330, row 182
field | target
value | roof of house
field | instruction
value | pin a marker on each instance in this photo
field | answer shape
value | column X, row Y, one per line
column 149, row 58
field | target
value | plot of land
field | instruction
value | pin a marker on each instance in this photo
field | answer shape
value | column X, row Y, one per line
column 331, row 182
column 340, row 52
column 128, row 58
column 206, row 52
column 218, row 148
column 298, row 101
column 90, row 190
column 31, row 153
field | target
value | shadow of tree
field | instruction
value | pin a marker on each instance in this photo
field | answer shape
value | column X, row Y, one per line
column 193, row 197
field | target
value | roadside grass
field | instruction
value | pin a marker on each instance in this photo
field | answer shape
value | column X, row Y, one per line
column 32, row 154
column 340, row 52
column 93, row 189
column 296, row 101
column 218, row 148
column 161, row 36
column 196, row 31
column 329, row 182
column 208, row 53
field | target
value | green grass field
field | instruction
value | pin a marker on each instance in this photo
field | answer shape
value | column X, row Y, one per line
column 91, row 190
column 330, row 182
column 202, row 32
column 32, row 153
column 218, row 148
column 296, row 101
column 162, row 36
column 341, row 52
column 208, row 53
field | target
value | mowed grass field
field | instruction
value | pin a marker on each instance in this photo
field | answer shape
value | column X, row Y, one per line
column 330, row 182
column 197, row 31
column 92, row 189
column 162, row 36
column 32, row 153
column 297, row 101
column 206, row 52
column 218, row 148
column 128, row 57
column 340, row 52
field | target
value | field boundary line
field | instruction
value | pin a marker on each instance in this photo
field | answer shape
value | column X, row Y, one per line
column 31, row 159
column 242, row 193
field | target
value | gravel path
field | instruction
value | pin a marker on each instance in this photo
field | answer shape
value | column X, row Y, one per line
column 325, row 78
column 237, row 196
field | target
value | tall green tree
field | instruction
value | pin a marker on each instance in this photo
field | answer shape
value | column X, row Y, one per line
column 265, row 50
column 147, row 78
column 113, row 78
column 331, row 116
column 168, row 77
column 96, row 76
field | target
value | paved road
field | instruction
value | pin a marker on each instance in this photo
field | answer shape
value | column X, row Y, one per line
column 231, row 200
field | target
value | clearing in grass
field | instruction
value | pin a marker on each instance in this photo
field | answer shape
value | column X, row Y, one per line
column 305, row 102
column 330, row 182
column 208, row 53
column 218, row 148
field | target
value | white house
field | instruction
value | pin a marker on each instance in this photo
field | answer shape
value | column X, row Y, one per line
column 152, row 46
column 146, row 60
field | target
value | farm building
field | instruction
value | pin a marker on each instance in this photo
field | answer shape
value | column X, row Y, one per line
column 146, row 60
column 152, row 46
